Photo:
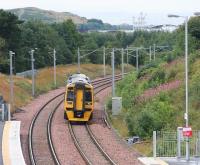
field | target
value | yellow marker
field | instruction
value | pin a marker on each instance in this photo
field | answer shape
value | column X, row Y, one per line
column 5, row 144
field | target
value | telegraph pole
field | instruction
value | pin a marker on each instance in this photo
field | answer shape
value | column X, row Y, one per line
column 186, row 88
column 113, row 72
column 127, row 55
column 150, row 53
column 154, row 52
column 78, row 60
column 54, row 66
column 122, row 63
column 137, row 58
column 104, row 61
column 33, row 72
column 11, row 53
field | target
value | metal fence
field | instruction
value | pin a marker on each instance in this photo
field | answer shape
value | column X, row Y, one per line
column 173, row 144
column 4, row 110
column 27, row 73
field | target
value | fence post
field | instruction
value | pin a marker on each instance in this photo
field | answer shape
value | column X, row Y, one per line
column 198, row 144
column 179, row 130
column 154, row 144
column 8, row 112
column 3, row 110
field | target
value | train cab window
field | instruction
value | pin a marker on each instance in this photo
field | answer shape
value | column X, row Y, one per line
column 88, row 96
column 70, row 95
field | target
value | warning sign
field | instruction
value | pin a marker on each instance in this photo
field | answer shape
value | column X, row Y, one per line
column 187, row 131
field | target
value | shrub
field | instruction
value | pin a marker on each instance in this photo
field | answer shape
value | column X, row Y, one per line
column 157, row 78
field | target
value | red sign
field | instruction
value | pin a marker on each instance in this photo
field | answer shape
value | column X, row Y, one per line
column 187, row 131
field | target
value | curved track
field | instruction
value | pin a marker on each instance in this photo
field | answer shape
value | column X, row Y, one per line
column 41, row 149
column 86, row 143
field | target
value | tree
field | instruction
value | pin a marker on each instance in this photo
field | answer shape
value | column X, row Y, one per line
column 36, row 34
column 193, row 27
column 67, row 30
column 9, row 37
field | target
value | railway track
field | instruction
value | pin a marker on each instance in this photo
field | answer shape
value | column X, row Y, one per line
column 91, row 150
column 88, row 146
column 41, row 148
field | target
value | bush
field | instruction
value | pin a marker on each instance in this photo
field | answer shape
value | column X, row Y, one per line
column 159, row 77
column 144, row 70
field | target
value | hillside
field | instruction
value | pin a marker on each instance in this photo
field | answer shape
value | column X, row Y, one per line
column 154, row 98
column 48, row 16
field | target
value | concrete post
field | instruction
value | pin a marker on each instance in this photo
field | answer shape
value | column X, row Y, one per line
column 3, row 112
column 11, row 79
column 179, row 131
column 154, row 144
column 78, row 60
column 137, row 67
column 122, row 63
column 113, row 72
column 9, row 116
column 154, row 52
column 54, row 66
column 33, row 72
column 127, row 55
column 104, row 61
column 150, row 53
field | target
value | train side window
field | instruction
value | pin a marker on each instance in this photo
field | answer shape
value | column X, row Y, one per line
column 88, row 96
column 70, row 95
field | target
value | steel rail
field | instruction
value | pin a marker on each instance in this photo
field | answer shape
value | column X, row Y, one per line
column 52, row 149
column 84, row 156
column 30, row 135
column 49, row 135
column 99, row 146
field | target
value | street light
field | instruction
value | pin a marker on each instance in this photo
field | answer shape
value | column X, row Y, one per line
column 33, row 72
column 197, row 13
column 54, row 66
column 186, row 80
column 11, row 53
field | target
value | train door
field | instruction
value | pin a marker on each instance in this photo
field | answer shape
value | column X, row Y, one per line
column 79, row 99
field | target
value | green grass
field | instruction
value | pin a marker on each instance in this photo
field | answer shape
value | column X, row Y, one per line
column 162, row 112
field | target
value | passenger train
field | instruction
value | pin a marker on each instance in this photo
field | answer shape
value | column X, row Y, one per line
column 79, row 98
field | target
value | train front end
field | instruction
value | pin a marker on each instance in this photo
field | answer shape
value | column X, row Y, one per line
column 79, row 101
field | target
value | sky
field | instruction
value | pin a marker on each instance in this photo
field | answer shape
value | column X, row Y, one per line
column 115, row 11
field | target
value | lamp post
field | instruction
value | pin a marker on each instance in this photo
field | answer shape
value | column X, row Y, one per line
column 197, row 13
column 113, row 71
column 11, row 53
column 122, row 63
column 186, row 80
column 78, row 60
column 154, row 52
column 54, row 66
column 104, row 61
column 33, row 71
column 150, row 53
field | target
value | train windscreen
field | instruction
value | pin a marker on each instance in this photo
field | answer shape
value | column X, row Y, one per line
column 88, row 96
column 70, row 95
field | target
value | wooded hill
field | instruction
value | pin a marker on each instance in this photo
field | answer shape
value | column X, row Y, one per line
column 46, row 16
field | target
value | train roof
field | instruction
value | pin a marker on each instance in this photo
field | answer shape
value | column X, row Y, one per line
column 78, row 77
